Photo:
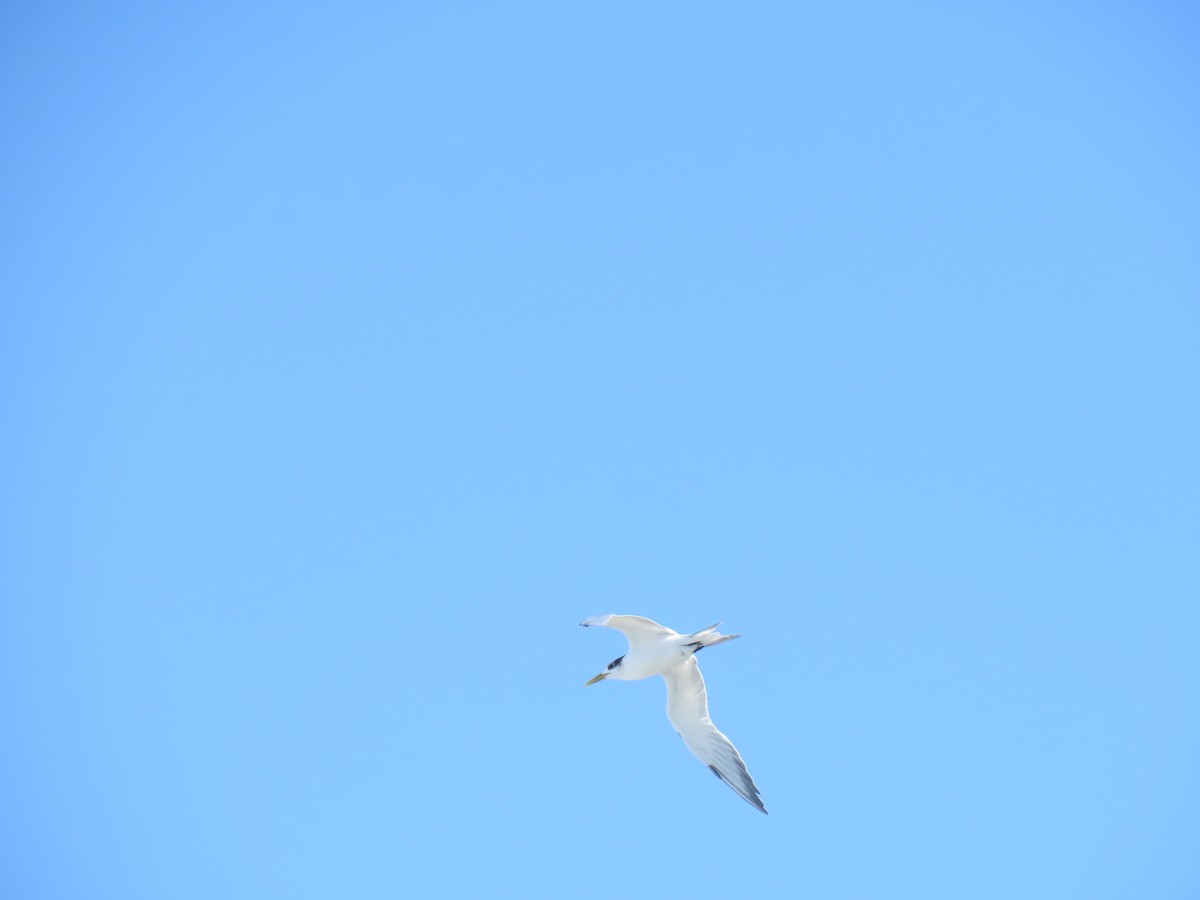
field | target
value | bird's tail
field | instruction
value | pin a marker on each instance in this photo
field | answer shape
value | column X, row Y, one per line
column 710, row 637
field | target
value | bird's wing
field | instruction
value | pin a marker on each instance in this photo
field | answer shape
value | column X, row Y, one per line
column 635, row 628
column 687, row 708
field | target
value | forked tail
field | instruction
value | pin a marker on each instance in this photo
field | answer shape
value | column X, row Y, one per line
column 709, row 637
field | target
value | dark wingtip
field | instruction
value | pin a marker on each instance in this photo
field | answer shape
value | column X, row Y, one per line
column 756, row 802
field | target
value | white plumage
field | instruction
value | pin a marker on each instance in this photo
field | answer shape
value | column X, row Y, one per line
column 657, row 650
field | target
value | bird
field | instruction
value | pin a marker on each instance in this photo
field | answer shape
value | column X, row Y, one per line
column 657, row 650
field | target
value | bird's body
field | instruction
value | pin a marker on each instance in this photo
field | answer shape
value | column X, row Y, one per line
column 657, row 650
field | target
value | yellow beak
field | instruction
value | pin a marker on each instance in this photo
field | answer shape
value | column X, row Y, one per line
column 599, row 677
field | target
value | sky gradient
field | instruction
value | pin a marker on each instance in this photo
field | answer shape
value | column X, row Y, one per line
column 351, row 355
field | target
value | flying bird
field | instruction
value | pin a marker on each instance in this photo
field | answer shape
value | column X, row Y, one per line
column 657, row 650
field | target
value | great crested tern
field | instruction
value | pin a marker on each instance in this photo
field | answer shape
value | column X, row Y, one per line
column 657, row 650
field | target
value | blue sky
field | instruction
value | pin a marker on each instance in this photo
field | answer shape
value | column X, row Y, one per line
column 351, row 354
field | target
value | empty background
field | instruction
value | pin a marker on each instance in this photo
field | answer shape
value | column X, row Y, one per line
column 350, row 354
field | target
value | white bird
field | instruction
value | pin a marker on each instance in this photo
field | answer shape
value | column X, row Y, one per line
column 657, row 650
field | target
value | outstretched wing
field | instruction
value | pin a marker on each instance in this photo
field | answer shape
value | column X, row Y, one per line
column 687, row 708
column 635, row 628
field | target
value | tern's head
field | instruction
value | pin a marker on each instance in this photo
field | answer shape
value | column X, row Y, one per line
column 614, row 668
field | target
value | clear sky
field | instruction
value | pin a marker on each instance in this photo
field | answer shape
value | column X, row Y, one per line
column 350, row 354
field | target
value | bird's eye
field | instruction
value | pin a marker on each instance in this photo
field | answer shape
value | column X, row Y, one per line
column 616, row 662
